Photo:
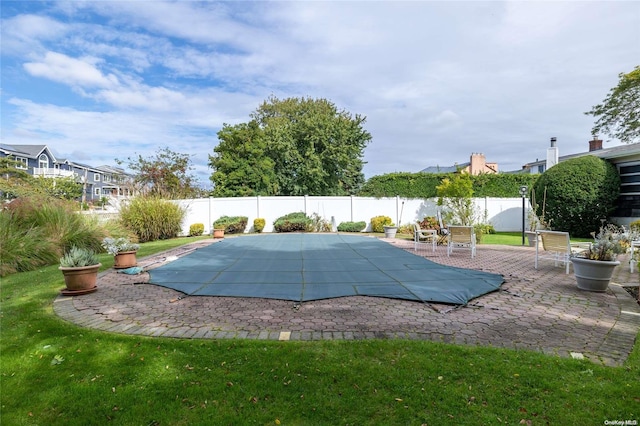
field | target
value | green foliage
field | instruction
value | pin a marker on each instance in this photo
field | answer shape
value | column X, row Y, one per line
column 118, row 245
column 618, row 115
column 165, row 175
column 23, row 248
column 241, row 163
column 293, row 222
column 231, row 224
column 65, row 188
column 379, row 222
column 258, row 224
column 294, row 146
column 423, row 185
column 78, row 257
column 579, row 193
column 635, row 226
column 482, row 229
column 455, row 195
column 152, row 218
column 196, row 229
column 352, row 226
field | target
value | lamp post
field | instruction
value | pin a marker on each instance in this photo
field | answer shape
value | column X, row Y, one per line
column 523, row 194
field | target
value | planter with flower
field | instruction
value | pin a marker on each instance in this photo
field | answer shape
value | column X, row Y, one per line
column 594, row 267
column 123, row 251
column 79, row 266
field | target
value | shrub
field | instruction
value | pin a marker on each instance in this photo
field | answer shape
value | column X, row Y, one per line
column 379, row 222
column 23, row 249
column 635, row 226
column 231, row 224
column 352, row 226
column 196, row 229
column 320, row 224
column 293, row 222
column 482, row 229
column 579, row 193
column 406, row 229
column 152, row 218
column 258, row 224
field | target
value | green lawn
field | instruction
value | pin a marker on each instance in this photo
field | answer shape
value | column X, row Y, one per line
column 53, row 372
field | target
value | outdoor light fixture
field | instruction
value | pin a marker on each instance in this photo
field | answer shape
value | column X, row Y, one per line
column 523, row 194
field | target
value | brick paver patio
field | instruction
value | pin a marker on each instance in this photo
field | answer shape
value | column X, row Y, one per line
column 540, row 310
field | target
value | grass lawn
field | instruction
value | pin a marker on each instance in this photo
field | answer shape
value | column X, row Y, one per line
column 53, row 372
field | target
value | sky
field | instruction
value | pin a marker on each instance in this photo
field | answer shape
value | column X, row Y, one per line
column 437, row 81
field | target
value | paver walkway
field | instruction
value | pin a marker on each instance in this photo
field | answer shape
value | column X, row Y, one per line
column 540, row 310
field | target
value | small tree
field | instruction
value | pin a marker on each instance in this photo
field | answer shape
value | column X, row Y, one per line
column 454, row 194
column 580, row 192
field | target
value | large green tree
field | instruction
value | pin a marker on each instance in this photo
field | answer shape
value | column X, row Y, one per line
column 166, row 175
column 312, row 147
column 242, row 166
column 619, row 114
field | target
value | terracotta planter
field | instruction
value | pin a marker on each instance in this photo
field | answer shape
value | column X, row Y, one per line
column 218, row 233
column 593, row 275
column 80, row 280
column 125, row 259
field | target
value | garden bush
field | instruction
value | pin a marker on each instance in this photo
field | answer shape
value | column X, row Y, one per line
column 258, row 224
column 430, row 222
column 152, row 218
column 483, row 229
column 37, row 231
column 352, row 226
column 635, row 226
column 579, row 193
column 232, row 224
column 293, row 222
column 379, row 222
column 196, row 229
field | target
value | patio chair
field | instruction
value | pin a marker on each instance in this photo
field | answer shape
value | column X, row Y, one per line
column 422, row 236
column 443, row 230
column 557, row 246
column 461, row 237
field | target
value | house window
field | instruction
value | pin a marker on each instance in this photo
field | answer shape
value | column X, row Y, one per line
column 22, row 163
column 628, row 204
column 106, row 178
column 96, row 191
column 43, row 161
column 540, row 168
column 96, row 177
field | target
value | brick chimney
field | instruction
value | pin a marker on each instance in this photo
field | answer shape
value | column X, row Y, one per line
column 595, row 144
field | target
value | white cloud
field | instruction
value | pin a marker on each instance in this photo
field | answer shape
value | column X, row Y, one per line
column 70, row 71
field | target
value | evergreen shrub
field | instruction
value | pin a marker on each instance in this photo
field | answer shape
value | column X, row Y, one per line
column 232, row 224
column 579, row 193
column 293, row 222
column 379, row 222
column 352, row 226
column 196, row 229
column 258, row 224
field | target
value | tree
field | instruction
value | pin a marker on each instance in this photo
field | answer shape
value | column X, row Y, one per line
column 619, row 114
column 314, row 149
column 455, row 195
column 165, row 175
column 242, row 166
column 578, row 194
column 65, row 188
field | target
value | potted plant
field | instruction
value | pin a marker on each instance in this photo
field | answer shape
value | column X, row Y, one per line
column 79, row 267
column 390, row 231
column 594, row 267
column 218, row 232
column 123, row 251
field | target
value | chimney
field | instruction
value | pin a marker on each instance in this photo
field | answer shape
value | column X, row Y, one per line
column 595, row 144
column 552, row 154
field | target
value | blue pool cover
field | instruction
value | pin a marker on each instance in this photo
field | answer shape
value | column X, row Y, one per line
column 303, row 267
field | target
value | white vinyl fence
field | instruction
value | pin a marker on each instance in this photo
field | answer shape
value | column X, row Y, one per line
column 505, row 214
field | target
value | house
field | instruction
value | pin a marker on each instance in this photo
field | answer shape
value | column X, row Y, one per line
column 627, row 160
column 98, row 182
column 477, row 164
